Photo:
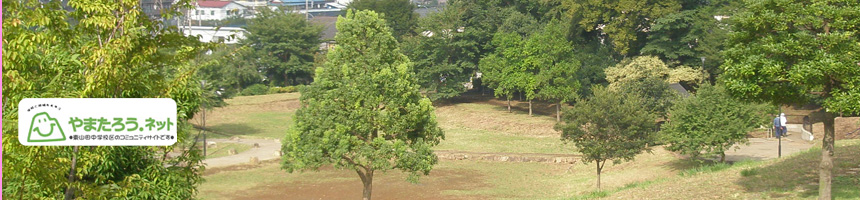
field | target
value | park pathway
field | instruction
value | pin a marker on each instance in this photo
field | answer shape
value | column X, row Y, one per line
column 768, row 148
column 268, row 150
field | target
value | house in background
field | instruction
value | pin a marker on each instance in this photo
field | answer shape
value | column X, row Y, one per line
column 680, row 89
column 154, row 8
column 218, row 10
column 299, row 4
column 228, row 35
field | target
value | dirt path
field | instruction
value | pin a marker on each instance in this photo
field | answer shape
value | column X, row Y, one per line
column 268, row 150
column 758, row 149
column 767, row 148
column 507, row 157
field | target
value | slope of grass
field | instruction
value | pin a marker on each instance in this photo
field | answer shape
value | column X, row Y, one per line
column 479, row 127
column 474, row 127
column 262, row 116
column 790, row 177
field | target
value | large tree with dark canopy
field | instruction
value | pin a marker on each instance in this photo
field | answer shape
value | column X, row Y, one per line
column 788, row 51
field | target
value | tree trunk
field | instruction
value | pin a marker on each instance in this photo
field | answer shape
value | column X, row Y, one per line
column 70, row 191
column 722, row 157
column 598, row 175
column 367, row 181
column 530, row 107
column 825, row 172
column 509, row 104
column 558, row 112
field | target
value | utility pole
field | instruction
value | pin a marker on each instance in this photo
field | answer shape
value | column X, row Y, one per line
column 203, row 85
column 307, row 11
column 779, row 136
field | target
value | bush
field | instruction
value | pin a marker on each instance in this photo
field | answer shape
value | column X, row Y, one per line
column 288, row 89
column 256, row 89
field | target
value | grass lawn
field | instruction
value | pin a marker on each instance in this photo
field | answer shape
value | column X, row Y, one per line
column 262, row 116
column 486, row 127
column 478, row 127
column 790, row 177
column 474, row 127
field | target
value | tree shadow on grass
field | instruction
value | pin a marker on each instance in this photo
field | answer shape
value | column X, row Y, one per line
column 799, row 174
column 229, row 130
column 689, row 167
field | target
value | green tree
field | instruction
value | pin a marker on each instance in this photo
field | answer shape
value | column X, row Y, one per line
column 505, row 70
column 649, row 78
column 364, row 112
column 283, row 44
column 658, row 95
column 453, row 41
column 785, row 51
column 643, row 67
column 624, row 22
column 228, row 70
column 97, row 49
column 607, row 126
column 710, row 122
column 398, row 14
column 553, row 55
column 692, row 36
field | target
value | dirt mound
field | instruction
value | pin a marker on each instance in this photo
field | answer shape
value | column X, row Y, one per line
column 845, row 127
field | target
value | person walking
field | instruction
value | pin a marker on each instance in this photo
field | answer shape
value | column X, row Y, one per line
column 779, row 125
column 782, row 122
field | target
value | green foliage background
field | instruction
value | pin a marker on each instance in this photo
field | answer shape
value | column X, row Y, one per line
column 97, row 49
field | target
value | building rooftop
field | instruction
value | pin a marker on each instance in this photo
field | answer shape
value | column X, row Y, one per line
column 213, row 4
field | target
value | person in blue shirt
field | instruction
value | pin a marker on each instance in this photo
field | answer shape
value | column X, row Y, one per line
column 779, row 125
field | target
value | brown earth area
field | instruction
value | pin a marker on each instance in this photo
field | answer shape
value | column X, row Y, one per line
column 845, row 128
column 390, row 185
column 538, row 107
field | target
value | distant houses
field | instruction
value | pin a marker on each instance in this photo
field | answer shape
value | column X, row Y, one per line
column 219, row 10
column 228, row 35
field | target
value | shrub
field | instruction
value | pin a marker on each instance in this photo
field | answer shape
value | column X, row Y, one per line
column 287, row 89
column 256, row 89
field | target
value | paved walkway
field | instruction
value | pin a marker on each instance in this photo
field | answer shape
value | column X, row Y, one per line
column 268, row 150
column 767, row 148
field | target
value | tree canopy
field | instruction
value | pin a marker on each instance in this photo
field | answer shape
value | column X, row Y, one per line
column 710, row 122
column 608, row 126
column 789, row 51
column 623, row 22
column 283, row 46
column 97, row 49
column 364, row 111
column 398, row 14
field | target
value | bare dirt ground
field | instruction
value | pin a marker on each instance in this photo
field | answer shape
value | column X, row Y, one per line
column 384, row 187
column 845, row 128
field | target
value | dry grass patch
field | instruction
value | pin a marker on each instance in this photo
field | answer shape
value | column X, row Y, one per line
column 493, row 118
column 462, row 179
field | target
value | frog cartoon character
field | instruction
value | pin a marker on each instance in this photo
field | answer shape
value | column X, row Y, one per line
column 43, row 128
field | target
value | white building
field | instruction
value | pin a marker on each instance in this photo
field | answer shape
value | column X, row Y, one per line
column 229, row 35
column 343, row 2
column 218, row 10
